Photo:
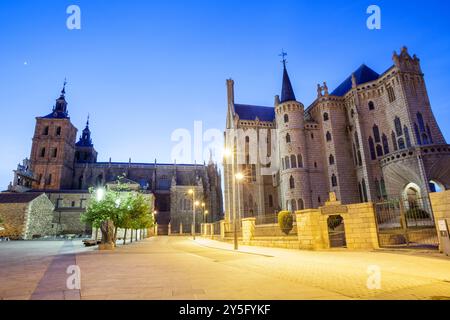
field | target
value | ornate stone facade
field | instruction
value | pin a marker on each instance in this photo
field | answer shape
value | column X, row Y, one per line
column 373, row 137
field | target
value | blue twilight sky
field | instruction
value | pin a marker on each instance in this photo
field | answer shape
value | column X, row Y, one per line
column 145, row 68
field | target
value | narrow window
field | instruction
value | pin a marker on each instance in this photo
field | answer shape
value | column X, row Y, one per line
column 293, row 161
column 300, row 161
column 420, row 120
column 430, row 137
column 401, row 144
column 49, row 180
column 394, row 141
column 416, row 131
column 328, row 136
column 45, row 133
column 333, row 180
column 42, row 152
column 373, row 155
column 286, row 160
column 55, row 153
column 58, row 131
column 376, row 133
column 270, row 201
column 291, row 182
column 331, row 159
column 301, row 204
column 385, row 144
column 288, row 138
column 326, row 117
column 398, row 126
column 379, row 151
column 286, row 118
column 407, row 137
column 371, row 105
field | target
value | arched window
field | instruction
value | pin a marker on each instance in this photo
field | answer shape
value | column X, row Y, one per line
column 352, row 113
column 385, row 144
column 45, row 133
column 291, row 183
column 356, row 140
column 424, row 138
column 394, row 141
column 286, row 118
column 364, row 190
column 407, row 137
column 398, row 126
column 58, row 131
column 326, row 117
column 300, row 161
column 379, row 150
column 293, row 205
column 286, row 160
column 416, row 131
column 288, row 138
column 328, row 136
column 376, row 133
column 401, row 144
column 333, row 180
column 373, row 155
column 301, row 204
column 43, row 152
column 293, row 161
column 99, row 179
column 331, row 159
column 430, row 137
column 420, row 120
column 371, row 105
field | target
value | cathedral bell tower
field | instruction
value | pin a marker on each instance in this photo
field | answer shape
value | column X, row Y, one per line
column 84, row 148
column 53, row 148
column 294, row 178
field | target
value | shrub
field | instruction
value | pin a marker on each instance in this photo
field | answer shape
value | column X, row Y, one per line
column 334, row 222
column 417, row 213
column 286, row 221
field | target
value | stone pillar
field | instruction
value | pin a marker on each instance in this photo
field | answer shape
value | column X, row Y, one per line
column 440, row 203
column 181, row 228
column 309, row 230
column 156, row 229
column 211, row 229
column 222, row 229
column 360, row 226
column 248, row 229
column 169, row 229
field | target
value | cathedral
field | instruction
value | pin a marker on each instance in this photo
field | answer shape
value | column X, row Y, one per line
column 64, row 169
column 373, row 138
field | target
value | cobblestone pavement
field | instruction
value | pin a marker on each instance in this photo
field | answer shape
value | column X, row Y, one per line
column 179, row 268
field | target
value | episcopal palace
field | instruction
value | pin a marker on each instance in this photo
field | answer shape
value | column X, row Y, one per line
column 372, row 138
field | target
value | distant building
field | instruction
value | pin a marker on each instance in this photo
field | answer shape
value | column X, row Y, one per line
column 373, row 137
column 65, row 169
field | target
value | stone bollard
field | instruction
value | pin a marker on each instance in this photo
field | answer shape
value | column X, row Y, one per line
column 169, row 229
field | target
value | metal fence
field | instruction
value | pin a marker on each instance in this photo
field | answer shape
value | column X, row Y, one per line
column 406, row 222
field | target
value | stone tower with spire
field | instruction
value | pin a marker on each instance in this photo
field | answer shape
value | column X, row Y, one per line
column 290, row 120
column 53, row 148
column 84, row 148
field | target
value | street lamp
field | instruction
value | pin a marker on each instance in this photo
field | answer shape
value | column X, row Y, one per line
column 194, row 203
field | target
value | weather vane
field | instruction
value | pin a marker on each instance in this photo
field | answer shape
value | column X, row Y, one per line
column 283, row 55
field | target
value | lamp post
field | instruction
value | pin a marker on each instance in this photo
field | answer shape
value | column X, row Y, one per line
column 203, row 211
column 192, row 192
column 239, row 177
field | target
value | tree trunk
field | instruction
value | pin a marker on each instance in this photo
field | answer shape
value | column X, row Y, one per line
column 96, row 234
column 125, row 237
column 131, row 238
column 136, row 235
column 107, row 229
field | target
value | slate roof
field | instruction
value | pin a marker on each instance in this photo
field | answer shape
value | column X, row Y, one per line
column 250, row 112
column 287, row 93
column 18, row 197
column 363, row 74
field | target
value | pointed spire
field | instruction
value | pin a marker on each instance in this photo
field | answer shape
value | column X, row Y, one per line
column 287, row 93
column 63, row 91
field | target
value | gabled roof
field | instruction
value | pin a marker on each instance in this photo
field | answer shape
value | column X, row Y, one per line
column 9, row 197
column 363, row 74
column 249, row 112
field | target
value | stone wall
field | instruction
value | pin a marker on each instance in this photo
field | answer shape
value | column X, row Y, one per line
column 440, row 201
column 39, row 218
column 13, row 216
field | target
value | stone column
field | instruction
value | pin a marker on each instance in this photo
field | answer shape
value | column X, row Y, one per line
column 222, row 229
column 248, row 229
column 169, row 229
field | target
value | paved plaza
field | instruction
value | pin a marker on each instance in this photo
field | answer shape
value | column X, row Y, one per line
column 180, row 268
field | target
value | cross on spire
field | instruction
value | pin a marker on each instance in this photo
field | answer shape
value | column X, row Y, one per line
column 63, row 91
column 283, row 55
